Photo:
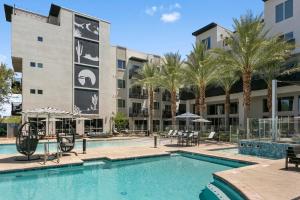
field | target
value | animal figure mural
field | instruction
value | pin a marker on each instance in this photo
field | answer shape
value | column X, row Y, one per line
column 85, row 74
column 86, row 28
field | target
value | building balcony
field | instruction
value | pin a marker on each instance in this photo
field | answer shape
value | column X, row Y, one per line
column 166, row 96
column 138, row 113
column 166, row 114
column 138, row 94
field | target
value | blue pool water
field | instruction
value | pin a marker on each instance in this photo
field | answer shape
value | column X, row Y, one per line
column 180, row 177
column 11, row 148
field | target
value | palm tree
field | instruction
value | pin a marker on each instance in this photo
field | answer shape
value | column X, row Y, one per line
column 278, row 50
column 247, row 44
column 171, row 78
column 227, row 76
column 200, row 72
column 147, row 77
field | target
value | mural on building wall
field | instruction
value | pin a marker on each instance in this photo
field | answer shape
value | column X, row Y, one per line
column 87, row 28
column 86, row 101
column 86, row 52
column 86, row 77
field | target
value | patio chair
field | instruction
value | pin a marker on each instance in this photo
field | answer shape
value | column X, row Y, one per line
column 66, row 141
column 209, row 137
column 195, row 137
column 292, row 156
column 27, row 139
column 169, row 133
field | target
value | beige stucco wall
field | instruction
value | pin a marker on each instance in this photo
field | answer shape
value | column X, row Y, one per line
column 285, row 26
column 55, row 52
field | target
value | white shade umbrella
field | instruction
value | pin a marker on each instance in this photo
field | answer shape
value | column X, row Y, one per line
column 201, row 120
column 187, row 116
column 297, row 117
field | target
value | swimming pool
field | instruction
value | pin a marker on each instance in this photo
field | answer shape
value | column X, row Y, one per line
column 11, row 148
column 178, row 177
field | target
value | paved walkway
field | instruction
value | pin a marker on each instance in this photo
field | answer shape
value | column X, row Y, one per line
column 265, row 180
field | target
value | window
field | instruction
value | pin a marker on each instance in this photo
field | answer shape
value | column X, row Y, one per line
column 121, row 64
column 40, row 65
column 285, row 104
column 167, row 107
column 32, row 64
column 284, row 11
column 121, row 103
column 40, row 38
column 216, row 109
column 32, row 91
column 265, row 105
column 40, row 92
column 93, row 126
column 207, row 42
column 289, row 36
column 279, row 13
column 121, row 83
column 156, row 106
column 234, row 108
column 288, row 9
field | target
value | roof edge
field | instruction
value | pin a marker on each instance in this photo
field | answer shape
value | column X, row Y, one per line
column 205, row 28
column 8, row 12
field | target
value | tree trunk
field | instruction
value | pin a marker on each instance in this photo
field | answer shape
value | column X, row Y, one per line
column 269, row 97
column 202, row 99
column 227, row 109
column 173, row 108
column 246, row 95
column 150, row 93
column 197, row 105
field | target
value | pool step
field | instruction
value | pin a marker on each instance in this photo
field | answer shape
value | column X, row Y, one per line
column 217, row 192
column 95, row 163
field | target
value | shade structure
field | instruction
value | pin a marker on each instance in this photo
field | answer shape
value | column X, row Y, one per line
column 82, row 118
column 51, row 120
column 297, row 117
column 47, row 111
column 201, row 120
column 187, row 116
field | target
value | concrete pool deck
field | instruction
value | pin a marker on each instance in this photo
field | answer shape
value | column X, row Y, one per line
column 267, row 179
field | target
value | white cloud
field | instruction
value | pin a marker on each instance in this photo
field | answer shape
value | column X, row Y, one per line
column 170, row 17
column 151, row 11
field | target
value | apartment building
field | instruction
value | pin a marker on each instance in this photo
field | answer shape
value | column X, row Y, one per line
column 67, row 62
column 280, row 18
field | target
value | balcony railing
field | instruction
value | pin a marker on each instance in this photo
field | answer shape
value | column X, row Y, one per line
column 166, row 96
column 167, row 114
column 138, row 113
column 136, row 95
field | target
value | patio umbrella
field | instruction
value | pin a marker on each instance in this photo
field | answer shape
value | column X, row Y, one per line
column 187, row 116
column 201, row 120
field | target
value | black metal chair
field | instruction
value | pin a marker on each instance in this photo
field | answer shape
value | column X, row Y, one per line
column 292, row 156
column 66, row 140
column 27, row 139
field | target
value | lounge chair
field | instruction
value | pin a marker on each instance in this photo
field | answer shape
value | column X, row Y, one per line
column 210, row 137
column 292, row 156
column 169, row 133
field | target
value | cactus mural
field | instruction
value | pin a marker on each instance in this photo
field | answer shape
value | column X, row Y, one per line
column 79, row 49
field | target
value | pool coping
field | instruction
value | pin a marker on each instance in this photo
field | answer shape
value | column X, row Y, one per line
column 11, row 141
column 127, row 153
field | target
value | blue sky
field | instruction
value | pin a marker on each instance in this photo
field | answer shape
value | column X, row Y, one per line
column 152, row 26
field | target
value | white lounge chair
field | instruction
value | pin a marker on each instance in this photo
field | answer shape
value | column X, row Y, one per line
column 169, row 133
column 211, row 135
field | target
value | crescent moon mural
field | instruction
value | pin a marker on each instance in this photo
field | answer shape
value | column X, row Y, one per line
column 83, row 74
